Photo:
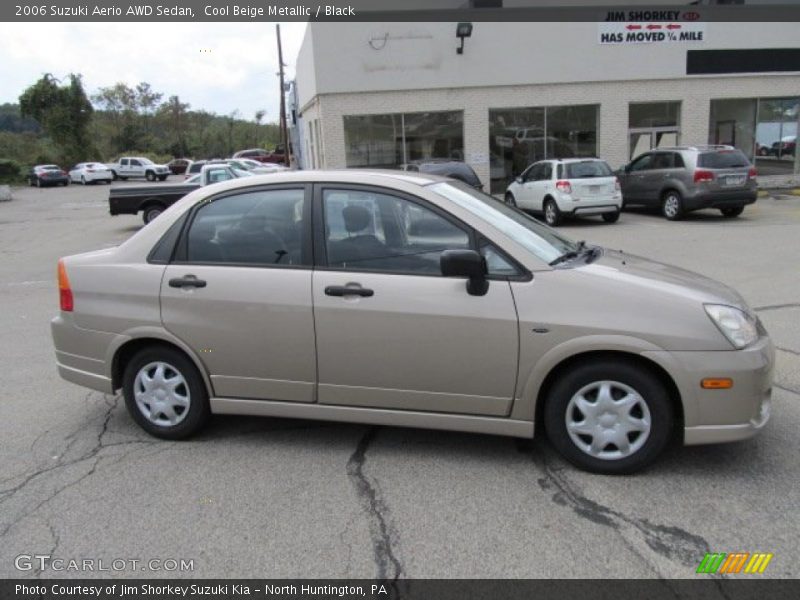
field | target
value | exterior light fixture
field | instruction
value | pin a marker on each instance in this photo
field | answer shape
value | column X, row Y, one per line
column 463, row 30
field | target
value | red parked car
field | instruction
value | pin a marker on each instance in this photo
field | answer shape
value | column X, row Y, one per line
column 276, row 156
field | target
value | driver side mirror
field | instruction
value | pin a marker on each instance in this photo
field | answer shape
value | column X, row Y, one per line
column 626, row 168
column 466, row 263
column 519, row 179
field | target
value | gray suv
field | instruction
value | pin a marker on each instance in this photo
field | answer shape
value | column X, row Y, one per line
column 686, row 178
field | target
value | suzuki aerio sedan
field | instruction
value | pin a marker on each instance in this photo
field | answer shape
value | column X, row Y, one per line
column 409, row 300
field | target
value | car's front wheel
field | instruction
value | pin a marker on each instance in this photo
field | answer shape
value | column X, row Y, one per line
column 150, row 176
column 608, row 416
column 164, row 393
column 552, row 214
column 510, row 200
column 733, row 211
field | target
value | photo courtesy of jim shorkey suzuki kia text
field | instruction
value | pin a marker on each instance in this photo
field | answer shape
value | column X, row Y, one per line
column 127, row 590
column 159, row 10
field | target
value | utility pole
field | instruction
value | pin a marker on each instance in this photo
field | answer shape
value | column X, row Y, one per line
column 284, row 137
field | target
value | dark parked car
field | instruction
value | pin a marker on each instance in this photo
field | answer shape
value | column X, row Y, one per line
column 178, row 166
column 446, row 167
column 42, row 175
column 785, row 147
column 685, row 178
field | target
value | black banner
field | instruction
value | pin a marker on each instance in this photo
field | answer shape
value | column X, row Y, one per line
column 701, row 588
column 380, row 10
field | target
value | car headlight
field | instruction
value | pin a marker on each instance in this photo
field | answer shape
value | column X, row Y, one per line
column 737, row 325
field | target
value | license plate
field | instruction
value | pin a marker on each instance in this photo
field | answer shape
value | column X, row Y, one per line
column 734, row 180
column 595, row 189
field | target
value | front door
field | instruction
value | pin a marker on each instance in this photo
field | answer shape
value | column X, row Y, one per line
column 391, row 331
column 239, row 294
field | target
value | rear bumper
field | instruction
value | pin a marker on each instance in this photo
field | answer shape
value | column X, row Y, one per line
column 589, row 206
column 721, row 199
column 80, row 354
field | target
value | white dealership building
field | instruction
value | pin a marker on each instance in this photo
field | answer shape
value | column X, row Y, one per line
column 380, row 94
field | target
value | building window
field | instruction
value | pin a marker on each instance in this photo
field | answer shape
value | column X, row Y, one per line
column 391, row 140
column 765, row 129
column 653, row 125
column 521, row 136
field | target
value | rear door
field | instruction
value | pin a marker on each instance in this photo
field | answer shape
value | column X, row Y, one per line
column 391, row 331
column 238, row 292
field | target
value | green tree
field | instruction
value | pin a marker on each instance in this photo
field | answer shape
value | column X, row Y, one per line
column 64, row 112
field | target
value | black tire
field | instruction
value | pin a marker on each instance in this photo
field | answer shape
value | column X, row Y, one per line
column 198, row 410
column 732, row 212
column 510, row 200
column 611, row 217
column 123, row 178
column 150, row 176
column 672, row 205
column 552, row 214
column 587, row 374
column 114, row 175
column 162, row 177
column 151, row 212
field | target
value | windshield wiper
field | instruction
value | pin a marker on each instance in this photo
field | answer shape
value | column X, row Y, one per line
column 569, row 254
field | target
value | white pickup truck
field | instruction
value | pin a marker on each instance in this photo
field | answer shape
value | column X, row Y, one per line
column 138, row 166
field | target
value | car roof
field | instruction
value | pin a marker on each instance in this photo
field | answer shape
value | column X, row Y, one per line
column 344, row 176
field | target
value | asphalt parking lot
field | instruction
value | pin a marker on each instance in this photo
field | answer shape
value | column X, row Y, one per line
column 280, row 498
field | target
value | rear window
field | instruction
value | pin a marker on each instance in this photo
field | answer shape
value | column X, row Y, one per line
column 722, row 159
column 586, row 169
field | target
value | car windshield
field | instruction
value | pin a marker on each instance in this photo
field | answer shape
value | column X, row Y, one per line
column 586, row 168
column 537, row 238
column 722, row 159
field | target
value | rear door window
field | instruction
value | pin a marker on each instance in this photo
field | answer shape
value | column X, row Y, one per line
column 722, row 159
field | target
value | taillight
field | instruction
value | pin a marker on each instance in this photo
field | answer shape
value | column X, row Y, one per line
column 701, row 175
column 752, row 173
column 564, row 187
column 64, row 291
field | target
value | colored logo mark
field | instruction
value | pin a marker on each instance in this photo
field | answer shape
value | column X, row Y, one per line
column 735, row 562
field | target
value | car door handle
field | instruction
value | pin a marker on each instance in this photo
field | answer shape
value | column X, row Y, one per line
column 187, row 281
column 346, row 290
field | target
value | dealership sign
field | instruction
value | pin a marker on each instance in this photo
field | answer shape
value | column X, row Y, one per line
column 650, row 33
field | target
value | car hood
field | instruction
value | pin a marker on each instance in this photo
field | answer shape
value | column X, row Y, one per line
column 656, row 276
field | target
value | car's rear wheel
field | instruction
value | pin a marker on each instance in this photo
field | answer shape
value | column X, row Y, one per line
column 733, row 211
column 611, row 217
column 608, row 417
column 164, row 393
column 552, row 214
column 672, row 205
column 510, row 200
column 151, row 212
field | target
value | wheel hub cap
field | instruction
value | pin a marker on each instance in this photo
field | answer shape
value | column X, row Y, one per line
column 608, row 420
column 162, row 394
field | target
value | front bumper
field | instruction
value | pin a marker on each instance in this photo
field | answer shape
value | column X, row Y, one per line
column 713, row 416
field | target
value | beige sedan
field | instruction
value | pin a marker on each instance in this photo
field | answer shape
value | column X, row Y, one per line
column 410, row 300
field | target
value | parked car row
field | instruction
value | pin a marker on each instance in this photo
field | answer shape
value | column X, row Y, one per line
column 676, row 180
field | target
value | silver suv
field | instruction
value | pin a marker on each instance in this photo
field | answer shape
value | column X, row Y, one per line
column 686, row 178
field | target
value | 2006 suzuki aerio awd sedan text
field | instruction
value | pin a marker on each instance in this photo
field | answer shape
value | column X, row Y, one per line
column 410, row 300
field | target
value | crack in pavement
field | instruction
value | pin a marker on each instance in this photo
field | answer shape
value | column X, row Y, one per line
column 794, row 391
column 788, row 350
column 383, row 534
column 668, row 541
column 92, row 454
